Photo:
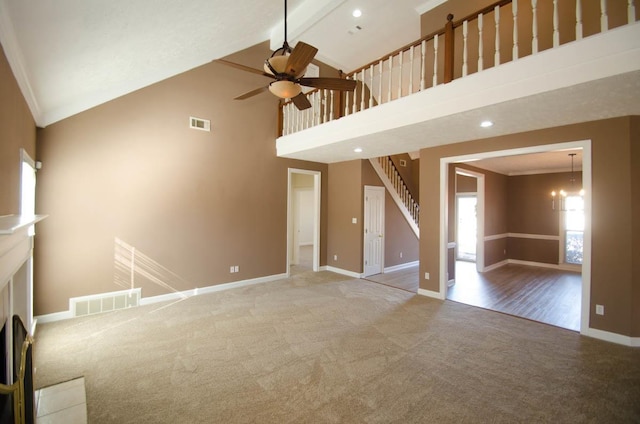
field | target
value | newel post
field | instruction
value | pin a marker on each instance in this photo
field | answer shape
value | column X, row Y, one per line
column 449, row 41
column 280, row 118
column 341, row 96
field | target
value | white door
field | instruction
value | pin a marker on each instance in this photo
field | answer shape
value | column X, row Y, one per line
column 373, row 230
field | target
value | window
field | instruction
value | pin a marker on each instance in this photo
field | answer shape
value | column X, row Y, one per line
column 574, row 229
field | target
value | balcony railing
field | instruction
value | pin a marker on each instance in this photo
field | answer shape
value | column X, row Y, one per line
column 505, row 31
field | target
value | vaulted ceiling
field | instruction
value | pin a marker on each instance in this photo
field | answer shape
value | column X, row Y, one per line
column 71, row 55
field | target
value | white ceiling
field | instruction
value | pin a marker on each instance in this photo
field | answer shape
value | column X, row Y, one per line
column 71, row 55
column 533, row 163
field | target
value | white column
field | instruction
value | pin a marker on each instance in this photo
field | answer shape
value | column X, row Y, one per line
column 480, row 43
column 514, row 7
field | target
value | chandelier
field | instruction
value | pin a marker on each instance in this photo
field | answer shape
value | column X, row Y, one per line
column 561, row 194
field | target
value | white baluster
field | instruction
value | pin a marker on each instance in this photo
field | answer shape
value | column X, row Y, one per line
column 480, row 43
column 423, row 54
column 318, row 110
column 380, row 74
column 331, row 106
column 325, row 102
column 400, row 76
column 631, row 11
column 362, row 94
column 354, row 106
column 514, row 8
column 604, row 18
column 435, row 60
column 411, row 70
column 578, row 19
column 556, row 29
column 496, row 13
column 371, row 70
column 465, row 34
column 346, row 103
column 285, row 117
column 390, row 78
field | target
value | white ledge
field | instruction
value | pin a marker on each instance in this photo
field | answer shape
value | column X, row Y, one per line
column 9, row 224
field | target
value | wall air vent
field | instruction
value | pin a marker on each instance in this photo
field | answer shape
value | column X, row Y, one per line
column 105, row 302
column 199, row 124
column 403, row 162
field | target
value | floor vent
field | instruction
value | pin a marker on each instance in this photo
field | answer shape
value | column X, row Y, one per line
column 95, row 304
column 199, row 124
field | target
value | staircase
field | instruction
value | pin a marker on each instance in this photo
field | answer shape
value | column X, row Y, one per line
column 398, row 190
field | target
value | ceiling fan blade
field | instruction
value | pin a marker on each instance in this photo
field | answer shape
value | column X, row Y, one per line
column 301, row 101
column 252, row 93
column 329, row 83
column 300, row 57
column 244, row 68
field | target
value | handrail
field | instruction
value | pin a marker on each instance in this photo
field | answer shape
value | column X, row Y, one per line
column 399, row 73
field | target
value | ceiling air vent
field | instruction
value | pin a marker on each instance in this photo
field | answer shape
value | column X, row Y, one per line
column 199, row 124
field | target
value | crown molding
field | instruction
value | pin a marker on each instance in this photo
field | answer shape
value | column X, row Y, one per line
column 16, row 61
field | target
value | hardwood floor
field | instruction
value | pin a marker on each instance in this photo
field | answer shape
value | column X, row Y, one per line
column 539, row 294
column 405, row 279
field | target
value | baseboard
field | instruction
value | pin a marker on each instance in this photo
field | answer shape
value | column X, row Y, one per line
column 430, row 293
column 401, row 266
column 53, row 317
column 612, row 337
column 60, row 316
column 344, row 272
column 563, row 267
column 496, row 265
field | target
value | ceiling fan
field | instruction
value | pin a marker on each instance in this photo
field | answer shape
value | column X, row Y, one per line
column 287, row 67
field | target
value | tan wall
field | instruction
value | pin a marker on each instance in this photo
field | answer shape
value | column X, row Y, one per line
column 612, row 284
column 17, row 130
column 191, row 203
column 345, row 202
column 466, row 184
column 634, row 159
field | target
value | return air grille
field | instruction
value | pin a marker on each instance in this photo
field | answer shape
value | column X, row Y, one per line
column 199, row 124
column 95, row 304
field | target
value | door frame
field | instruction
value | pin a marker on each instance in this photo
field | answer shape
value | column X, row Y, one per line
column 317, row 181
column 364, row 228
column 480, row 218
column 457, row 215
column 585, row 145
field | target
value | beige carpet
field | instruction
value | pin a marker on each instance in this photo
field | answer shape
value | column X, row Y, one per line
column 319, row 348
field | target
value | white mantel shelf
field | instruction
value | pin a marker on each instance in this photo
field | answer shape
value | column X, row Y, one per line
column 9, row 224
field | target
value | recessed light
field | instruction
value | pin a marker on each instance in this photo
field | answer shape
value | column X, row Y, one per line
column 357, row 13
column 358, row 150
column 486, row 124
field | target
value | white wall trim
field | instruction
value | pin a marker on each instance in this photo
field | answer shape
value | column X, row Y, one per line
column 612, row 337
column 563, row 267
column 401, row 266
column 64, row 315
column 451, row 245
column 395, row 196
column 344, row 272
column 317, row 202
column 430, row 293
column 496, row 236
column 496, row 265
column 534, row 236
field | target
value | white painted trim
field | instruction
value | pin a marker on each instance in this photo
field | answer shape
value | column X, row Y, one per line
column 564, row 267
column 522, row 235
column 451, row 245
column 64, row 315
column 496, row 265
column 401, row 266
column 16, row 62
column 430, row 293
column 53, row 317
column 317, row 199
column 496, row 237
column 479, row 194
column 344, row 272
column 395, row 196
column 612, row 337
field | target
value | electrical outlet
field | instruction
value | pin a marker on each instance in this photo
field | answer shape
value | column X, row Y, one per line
column 600, row 309
column 354, row 220
column 335, row 257
column 426, row 275
column 231, row 269
column 236, row 268
column 401, row 254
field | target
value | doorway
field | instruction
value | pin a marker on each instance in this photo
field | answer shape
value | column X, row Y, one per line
column 584, row 277
column 373, row 230
column 303, row 220
column 466, row 227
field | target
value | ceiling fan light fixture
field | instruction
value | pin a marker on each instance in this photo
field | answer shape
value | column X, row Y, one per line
column 278, row 63
column 285, row 89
